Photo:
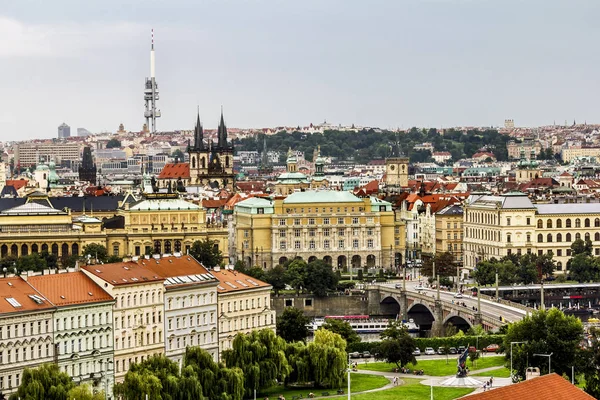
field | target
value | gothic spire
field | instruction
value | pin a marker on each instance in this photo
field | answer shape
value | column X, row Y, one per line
column 222, row 132
column 198, row 134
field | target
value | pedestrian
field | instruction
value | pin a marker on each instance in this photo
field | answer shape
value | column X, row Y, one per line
column 395, row 381
column 485, row 386
column 491, row 381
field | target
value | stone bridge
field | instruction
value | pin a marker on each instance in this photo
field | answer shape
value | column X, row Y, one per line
column 433, row 313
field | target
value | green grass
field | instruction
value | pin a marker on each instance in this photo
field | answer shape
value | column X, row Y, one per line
column 413, row 390
column 358, row 383
column 497, row 373
column 437, row 367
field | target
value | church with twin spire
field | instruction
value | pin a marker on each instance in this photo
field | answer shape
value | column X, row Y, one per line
column 210, row 164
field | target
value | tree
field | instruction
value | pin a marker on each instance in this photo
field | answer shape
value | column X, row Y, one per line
column 217, row 381
column 295, row 274
column 178, row 155
column 484, row 272
column 96, row 252
column 397, row 345
column 343, row 329
column 292, row 325
column 473, row 356
column 582, row 267
column 320, row 278
column 328, row 359
column 113, row 143
column 581, row 247
column 45, row 382
column 261, row 356
column 276, row 278
column 31, row 262
column 591, row 361
column 207, row 252
column 83, row 392
column 545, row 332
column 69, row 261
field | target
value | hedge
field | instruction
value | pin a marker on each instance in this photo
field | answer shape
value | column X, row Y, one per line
column 436, row 342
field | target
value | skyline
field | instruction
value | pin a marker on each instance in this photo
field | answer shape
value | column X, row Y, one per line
column 271, row 64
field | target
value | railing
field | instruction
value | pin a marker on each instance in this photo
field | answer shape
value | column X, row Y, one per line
column 506, row 303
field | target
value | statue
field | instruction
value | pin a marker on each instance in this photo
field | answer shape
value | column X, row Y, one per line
column 154, row 186
column 461, row 364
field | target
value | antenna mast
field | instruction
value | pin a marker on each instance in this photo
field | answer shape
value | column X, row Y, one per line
column 151, row 93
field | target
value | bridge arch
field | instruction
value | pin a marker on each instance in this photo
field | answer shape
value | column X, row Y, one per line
column 422, row 314
column 460, row 322
column 390, row 306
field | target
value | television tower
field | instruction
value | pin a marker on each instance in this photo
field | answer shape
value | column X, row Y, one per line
column 151, row 93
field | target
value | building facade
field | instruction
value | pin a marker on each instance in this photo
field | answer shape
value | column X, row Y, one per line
column 449, row 232
column 27, row 153
column 83, row 327
column 396, row 172
column 137, row 312
column 26, row 331
column 87, row 170
column 244, row 304
column 64, row 131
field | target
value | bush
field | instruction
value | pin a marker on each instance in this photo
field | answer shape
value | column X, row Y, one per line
column 434, row 343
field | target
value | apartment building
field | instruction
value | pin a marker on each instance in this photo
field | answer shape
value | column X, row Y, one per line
column 27, row 153
column 449, row 231
column 244, row 304
column 83, row 327
column 26, row 331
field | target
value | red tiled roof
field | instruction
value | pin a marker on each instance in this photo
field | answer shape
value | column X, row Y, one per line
column 16, row 183
column 483, row 154
column 19, row 290
column 176, row 266
column 175, row 170
column 208, row 203
column 251, row 186
column 69, row 288
column 544, row 387
column 123, row 273
column 232, row 281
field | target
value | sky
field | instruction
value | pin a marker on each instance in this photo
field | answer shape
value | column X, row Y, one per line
column 392, row 64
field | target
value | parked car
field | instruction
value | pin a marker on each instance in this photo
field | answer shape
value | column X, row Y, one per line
column 492, row 348
column 398, row 286
column 429, row 351
column 472, row 349
column 461, row 349
column 452, row 350
column 441, row 350
column 417, row 352
column 366, row 354
column 419, row 287
column 355, row 354
column 458, row 295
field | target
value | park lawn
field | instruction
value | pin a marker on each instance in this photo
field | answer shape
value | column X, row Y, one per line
column 358, row 383
column 497, row 373
column 411, row 389
column 437, row 367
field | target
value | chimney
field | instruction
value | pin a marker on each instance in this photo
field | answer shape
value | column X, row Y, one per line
column 217, row 269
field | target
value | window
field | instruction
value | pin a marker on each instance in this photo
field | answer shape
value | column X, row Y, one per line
column 587, row 223
column 577, row 223
column 578, row 236
column 370, row 220
column 596, row 236
column 528, row 221
column 355, row 243
column 559, row 237
column 312, row 232
column 282, row 222
column 369, row 231
column 326, row 244
column 297, row 232
column 568, row 252
column 341, row 232
column 370, row 243
column 559, row 252
column 282, row 245
column 297, row 244
column 281, row 234
column 340, row 220
column 568, row 223
column 340, row 244
column 296, row 221
column 355, row 220
column 115, row 249
column 597, row 223
column 508, row 238
column 311, row 244
column 549, row 238
column 549, row 223
column 540, row 238
column 508, row 221
column 559, row 223
column 528, row 237
column 325, row 221
column 326, row 232
column 260, row 210
column 568, row 237
column 540, row 224
column 311, row 221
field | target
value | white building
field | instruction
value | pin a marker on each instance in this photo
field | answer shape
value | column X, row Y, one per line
column 83, row 327
column 190, row 305
column 25, row 331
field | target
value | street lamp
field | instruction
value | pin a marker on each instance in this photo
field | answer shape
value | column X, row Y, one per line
column 349, row 367
column 511, row 357
column 549, row 360
column 107, row 376
column 497, row 284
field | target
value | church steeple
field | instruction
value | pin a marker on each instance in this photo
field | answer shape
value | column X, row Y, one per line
column 222, row 133
column 198, row 134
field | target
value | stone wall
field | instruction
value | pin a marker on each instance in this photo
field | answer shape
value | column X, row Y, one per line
column 322, row 306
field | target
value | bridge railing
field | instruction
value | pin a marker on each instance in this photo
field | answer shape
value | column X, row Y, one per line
column 507, row 303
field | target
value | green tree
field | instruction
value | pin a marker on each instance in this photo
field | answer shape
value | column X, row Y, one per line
column 582, row 267
column 217, row 381
column 343, row 329
column 397, row 345
column 69, row 261
column 276, row 278
column 113, row 143
column 545, row 332
column 328, row 359
column 31, row 262
column 295, row 274
column 178, row 155
column 96, row 252
column 292, row 325
column 581, row 247
column 207, row 252
column 591, row 363
column 484, row 272
column 83, row 392
column 473, row 356
column 45, row 382
column 320, row 278
column 261, row 356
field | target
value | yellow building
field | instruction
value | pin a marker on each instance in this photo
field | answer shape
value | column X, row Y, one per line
column 336, row 227
column 449, row 232
column 155, row 224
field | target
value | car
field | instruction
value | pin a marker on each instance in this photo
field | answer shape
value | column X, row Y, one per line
column 419, row 287
column 398, row 286
column 441, row 350
column 492, row 348
column 355, row 354
column 472, row 349
column 461, row 349
column 417, row 352
column 429, row 351
column 458, row 295
column 366, row 354
column 452, row 350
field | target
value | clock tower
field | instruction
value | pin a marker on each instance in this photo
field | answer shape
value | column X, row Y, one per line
column 396, row 171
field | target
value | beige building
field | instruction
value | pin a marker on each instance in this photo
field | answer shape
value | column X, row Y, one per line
column 568, row 154
column 26, row 331
column 27, row 153
column 244, row 305
column 396, row 171
column 138, row 311
column 449, row 231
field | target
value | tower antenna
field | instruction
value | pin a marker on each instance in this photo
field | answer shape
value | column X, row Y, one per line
column 151, row 93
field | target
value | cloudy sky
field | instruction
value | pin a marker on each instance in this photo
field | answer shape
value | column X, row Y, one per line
column 389, row 63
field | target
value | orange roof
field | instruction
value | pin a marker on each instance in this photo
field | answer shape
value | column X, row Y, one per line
column 207, row 203
column 123, row 273
column 544, row 387
column 15, row 296
column 232, row 281
column 177, row 266
column 175, row 170
column 16, row 183
column 69, row 288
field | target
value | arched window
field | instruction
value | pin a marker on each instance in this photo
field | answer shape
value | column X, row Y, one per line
column 540, row 224
column 597, row 237
column 202, row 163
column 549, row 238
column 597, row 223
column 559, row 266
column 193, row 162
column 540, row 238
column 587, row 236
column 508, row 238
column 578, row 236
column 568, row 237
column 549, row 223
column 559, row 223
column 568, row 223
column 577, row 223
column 559, row 237
column 528, row 237
column 586, row 223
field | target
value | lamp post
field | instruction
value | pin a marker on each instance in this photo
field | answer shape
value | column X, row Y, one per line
column 349, row 367
column 549, row 360
column 511, row 357
column 497, row 283
column 106, row 374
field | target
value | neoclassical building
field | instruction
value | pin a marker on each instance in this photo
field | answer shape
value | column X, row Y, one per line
column 295, row 181
column 333, row 226
column 496, row 226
